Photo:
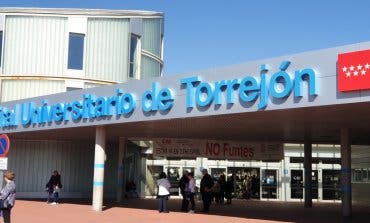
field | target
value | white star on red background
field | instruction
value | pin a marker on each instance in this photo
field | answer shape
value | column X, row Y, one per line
column 354, row 71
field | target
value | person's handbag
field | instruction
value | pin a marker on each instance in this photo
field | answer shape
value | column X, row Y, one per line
column 4, row 204
column 56, row 189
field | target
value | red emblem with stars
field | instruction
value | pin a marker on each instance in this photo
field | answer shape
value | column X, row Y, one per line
column 354, row 71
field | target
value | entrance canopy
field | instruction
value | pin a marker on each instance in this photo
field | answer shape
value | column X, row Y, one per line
column 282, row 99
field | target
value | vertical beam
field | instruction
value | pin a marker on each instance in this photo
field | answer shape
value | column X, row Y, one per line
column 120, row 171
column 345, row 149
column 307, row 173
column 99, row 161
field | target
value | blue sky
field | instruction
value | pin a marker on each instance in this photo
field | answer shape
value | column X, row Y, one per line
column 204, row 34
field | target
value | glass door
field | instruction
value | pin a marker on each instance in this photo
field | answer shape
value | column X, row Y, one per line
column 173, row 175
column 269, row 181
column 296, row 184
column 331, row 185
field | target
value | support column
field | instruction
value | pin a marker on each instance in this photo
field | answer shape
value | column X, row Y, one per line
column 307, row 173
column 99, row 161
column 345, row 149
column 120, row 170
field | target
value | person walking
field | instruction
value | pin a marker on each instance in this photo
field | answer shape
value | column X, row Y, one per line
column 222, row 183
column 190, row 191
column 205, row 189
column 229, row 188
column 7, row 196
column 53, row 188
column 183, row 184
column 163, row 192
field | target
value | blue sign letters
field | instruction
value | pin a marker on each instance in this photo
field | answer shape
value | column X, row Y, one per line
column 199, row 93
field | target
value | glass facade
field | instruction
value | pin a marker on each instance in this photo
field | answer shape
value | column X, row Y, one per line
column 149, row 67
column 151, row 39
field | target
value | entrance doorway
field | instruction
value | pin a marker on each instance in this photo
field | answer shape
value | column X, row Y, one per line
column 331, row 184
column 173, row 175
column 269, row 179
column 296, row 184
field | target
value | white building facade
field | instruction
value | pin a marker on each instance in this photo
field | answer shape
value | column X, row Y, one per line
column 47, row 51
column 288, row 99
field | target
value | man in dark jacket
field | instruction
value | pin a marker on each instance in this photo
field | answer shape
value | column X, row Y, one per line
column 53, row 187
column 182, row 185
column 205, row 189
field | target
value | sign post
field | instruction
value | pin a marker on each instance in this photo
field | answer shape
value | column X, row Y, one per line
column 4, row 145
column 4, row 149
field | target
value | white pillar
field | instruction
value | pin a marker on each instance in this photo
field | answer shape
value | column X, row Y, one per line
column 345, row 148
column 99, row 169
column 120, row 170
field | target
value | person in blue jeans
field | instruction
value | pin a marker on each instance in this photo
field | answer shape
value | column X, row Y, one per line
column 53, row 188
column 163, row 192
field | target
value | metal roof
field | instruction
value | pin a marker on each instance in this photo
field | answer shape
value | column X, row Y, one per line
column 77, row 11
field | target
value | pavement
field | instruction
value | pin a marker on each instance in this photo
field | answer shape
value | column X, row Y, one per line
column 145, row 211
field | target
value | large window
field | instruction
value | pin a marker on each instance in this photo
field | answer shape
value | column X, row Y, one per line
column 134, row 43
column 76, row 51
column 1, row 45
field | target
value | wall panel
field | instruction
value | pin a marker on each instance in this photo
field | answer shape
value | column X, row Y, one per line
column 107, row 45
column 151, row 39
column 19, row 89
column 34, row 161
column 35, row 45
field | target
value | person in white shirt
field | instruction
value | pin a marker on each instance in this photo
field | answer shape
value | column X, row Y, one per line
column 191, row 191
column 163, row 192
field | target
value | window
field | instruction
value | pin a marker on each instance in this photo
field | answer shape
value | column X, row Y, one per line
column 1, row 45
column 133, row 55
column 76, row 51
column 361, row 175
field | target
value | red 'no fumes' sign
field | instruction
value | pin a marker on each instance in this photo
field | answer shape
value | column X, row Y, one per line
column 4, row 145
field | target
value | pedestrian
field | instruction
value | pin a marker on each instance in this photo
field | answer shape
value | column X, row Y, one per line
column 163, row 192
column 131, row 189
column 229, row 188
column 215, row 192
column 205, row 189
column 222, row 183
column 255, row 187
column 183, row 184
column 190, row 192
column 7, row 196
column 53, row 188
